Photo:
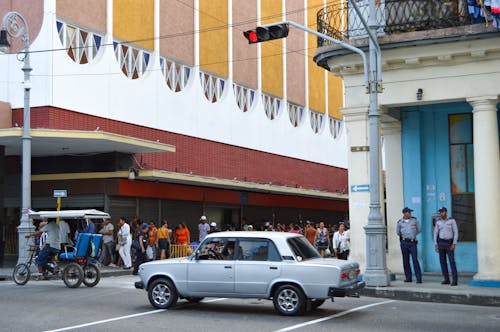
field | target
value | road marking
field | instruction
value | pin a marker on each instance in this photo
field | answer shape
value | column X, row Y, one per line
column 340, row 314
column 74, row 327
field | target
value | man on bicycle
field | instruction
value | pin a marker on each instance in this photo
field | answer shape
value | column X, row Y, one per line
column 52, row 244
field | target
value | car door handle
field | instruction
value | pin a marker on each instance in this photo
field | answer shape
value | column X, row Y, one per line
column 228, row 267
column 273, row 267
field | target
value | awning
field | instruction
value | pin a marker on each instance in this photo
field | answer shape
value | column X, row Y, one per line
column 50, row 142
column 69, row 214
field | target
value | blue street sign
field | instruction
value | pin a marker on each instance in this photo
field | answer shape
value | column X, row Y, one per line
column 60, row 193
column 360, row 188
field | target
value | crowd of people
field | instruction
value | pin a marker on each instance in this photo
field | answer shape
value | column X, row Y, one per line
column 135, row 242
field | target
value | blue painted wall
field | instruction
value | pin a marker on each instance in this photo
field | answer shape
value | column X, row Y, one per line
column 426, row 177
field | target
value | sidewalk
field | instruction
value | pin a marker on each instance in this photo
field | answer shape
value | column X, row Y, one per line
column 430, row 290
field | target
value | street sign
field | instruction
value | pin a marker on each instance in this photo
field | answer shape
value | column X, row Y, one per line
column 360, row 188
column 60, row 193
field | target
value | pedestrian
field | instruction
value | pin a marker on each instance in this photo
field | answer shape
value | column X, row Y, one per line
column 213, row 228
column 203, row 228
column 342, row 242
column 108, row 243
column 310, row 232
column 125, row 241
column 164, row 240
column 143, row 240
column 89, row 226
column 407, row 229
column 322, row 240
column 153, row 239
column 182, row 235
column 64, row 234
column 445, row 240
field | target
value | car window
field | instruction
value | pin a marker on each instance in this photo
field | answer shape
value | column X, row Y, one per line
column 302, row 248
column 257, row 250
column 217, row 248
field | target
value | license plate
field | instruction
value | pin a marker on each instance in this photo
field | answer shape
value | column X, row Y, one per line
column 352, row 274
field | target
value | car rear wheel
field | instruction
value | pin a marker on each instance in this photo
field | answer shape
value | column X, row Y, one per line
column 289, row 300
column 162, row 294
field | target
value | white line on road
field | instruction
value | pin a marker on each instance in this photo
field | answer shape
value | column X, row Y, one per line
column 74, row 327
column 340, row 314
column 106, row 320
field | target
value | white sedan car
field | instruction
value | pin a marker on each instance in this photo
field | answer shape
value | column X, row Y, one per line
column 283, row 267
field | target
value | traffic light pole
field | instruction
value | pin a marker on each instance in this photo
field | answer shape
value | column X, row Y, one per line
column 376, row 273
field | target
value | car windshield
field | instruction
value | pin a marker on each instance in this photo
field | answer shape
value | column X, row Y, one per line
column 302, row 248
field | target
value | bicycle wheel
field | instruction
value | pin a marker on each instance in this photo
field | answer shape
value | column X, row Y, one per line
column 21, row 274
column 91, row 275
column 72, row 275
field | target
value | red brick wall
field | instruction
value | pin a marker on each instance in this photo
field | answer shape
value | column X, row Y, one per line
column 200, row 156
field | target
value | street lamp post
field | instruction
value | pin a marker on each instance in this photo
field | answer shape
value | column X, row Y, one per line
column 14, row 25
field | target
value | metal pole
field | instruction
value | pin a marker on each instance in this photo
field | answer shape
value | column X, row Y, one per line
column 376, row 273
column 16, row 26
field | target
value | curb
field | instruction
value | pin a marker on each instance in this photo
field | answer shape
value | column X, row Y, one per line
column 435, row 296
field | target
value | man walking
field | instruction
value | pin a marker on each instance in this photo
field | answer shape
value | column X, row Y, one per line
column 108, row 246
column 445, row 240
column 407, row 230
column 203, row 228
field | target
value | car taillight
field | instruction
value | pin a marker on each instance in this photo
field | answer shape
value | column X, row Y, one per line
column 358, row 271
column 344, row 275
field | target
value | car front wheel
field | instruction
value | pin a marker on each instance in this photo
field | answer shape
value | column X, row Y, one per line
column 162, row 294
column 289, row 300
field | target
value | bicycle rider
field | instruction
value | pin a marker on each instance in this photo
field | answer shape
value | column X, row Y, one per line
column 51, row 248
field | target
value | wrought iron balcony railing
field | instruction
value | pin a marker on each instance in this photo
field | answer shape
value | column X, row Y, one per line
column 341, row 21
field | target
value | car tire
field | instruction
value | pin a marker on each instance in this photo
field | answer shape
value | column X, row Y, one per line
column 162, row 294
column 289, row 300
column 315, row 304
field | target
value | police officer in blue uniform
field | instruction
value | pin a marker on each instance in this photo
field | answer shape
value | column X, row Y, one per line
column 407, row 230
column 445, row 240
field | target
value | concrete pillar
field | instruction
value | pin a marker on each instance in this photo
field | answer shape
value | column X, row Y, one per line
column 487, row 186
column 394, row 190
column 356, row 124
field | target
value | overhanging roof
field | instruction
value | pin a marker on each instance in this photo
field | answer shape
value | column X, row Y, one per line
column 197, row 180
column 50, row 142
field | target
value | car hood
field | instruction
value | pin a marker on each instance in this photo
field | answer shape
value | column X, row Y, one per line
column 166, row 261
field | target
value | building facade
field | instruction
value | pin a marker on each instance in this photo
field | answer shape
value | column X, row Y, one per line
column 161, row 109
column 440, row 124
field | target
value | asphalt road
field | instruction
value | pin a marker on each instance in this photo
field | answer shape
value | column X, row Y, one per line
column 115, row 305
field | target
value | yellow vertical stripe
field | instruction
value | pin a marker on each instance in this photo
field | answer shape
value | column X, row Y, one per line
column 335, row 96
column 272, row 52
column 133, row 20
column 214, row 42
column 316, row 82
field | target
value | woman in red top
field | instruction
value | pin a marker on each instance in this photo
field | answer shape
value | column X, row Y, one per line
column 182, row 234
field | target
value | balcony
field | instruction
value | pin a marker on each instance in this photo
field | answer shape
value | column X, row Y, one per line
column 406, row 18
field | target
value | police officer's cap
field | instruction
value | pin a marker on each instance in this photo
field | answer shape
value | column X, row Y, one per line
column 407, row 209
column 443, row 209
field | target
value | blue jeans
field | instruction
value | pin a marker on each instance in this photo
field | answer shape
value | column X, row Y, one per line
column 410, row 249
column 45, row 256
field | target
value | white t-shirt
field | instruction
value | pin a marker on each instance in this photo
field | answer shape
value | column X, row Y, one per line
column 341, row 241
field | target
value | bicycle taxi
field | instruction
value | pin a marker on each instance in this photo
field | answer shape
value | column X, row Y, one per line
column 75, row 264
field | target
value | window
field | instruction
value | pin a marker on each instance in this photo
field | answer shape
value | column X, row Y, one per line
column 82, row 45
column 244, row 97
column 336, row 127
column 295, row 113
column 217, row 249
column 213, row 86
column 302, row 249
column 258, row 250
column 316, row 121
column 462, row 174
column 271, row 106
column 176, row 74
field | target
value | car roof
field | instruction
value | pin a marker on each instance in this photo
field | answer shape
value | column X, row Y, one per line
column 255, row 234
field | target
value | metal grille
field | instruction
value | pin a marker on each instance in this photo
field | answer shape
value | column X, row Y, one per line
column 340, row 20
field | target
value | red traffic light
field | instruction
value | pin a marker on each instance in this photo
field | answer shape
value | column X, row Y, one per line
column 271, row 32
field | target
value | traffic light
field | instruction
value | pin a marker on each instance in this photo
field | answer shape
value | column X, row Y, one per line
column 265, row 33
